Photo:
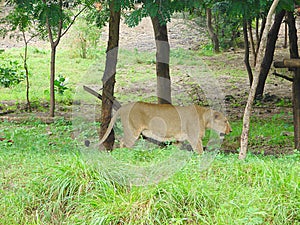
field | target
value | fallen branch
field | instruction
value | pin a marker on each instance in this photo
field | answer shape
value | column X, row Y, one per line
column 12, row 111
column 7, row 112
column 116, row 104
column 283, row 76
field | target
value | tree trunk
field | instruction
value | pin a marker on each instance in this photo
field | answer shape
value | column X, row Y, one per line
column 285, row 43
column 296, row 82
column 162, row 61
column 212, row 33
column 294, row 54
column 247, row 53
column 269, row 53
column 28, row 108
column 248, row 108
column 52, row 68
column 296, row 108
column 54, row 45
column 109, row 74
column 252, row 44
column 52, row 79
column 259, row 36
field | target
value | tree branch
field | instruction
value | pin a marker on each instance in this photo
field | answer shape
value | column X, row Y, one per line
column 73, row 20
column 116, row 104
column 283, row 76
column 60, row 25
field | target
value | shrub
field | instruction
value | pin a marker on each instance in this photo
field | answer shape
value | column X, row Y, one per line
column 11, row 73
column 60, row 84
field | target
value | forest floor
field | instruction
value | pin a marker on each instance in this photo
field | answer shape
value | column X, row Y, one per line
column 188, row 35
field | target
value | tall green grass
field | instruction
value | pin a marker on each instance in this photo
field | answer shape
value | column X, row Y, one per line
column 45, row 178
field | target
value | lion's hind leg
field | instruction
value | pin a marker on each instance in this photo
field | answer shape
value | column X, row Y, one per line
column 130, row 137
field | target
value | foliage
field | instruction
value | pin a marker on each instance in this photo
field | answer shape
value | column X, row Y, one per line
column 227, row 26
column 11, row 73
column 18, row 19
column 98, row 17
column 162, row 9
column 83, row 38
column 60, row 84
column 37, row 13
column 228, row 16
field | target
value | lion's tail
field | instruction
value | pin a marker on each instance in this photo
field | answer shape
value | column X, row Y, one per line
column 110, row 126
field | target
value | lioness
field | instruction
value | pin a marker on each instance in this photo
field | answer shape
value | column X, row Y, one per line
column 165, row 122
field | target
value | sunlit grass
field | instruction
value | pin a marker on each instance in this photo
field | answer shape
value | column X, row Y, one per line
column 46, row 179
column 134, row 70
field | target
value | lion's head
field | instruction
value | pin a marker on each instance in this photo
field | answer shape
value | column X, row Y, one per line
column 219, row 123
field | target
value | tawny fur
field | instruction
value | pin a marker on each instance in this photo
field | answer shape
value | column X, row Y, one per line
column 164, row 122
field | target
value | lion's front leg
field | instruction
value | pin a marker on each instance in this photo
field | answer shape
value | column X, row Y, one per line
column 197, row 145
column 199, row 148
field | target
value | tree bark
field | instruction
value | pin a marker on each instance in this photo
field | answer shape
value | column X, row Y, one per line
column 296, row 108
column 285, row 43
column 248, row 108
column 53, row 56
column 257, row 33
column 52, row 79
column 109, row 74
column 28, row 108
column 294, row 54
column 259, row 36
column 162, row 61
column 247, row 53
column 212, row 33
column 252, row 44
column 54, row 44
column 269, row 53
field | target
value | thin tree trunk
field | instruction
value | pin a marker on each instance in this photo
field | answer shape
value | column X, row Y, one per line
column 109, row 74
column 285, row 43
column 248, row 108
column 259, row 37
column 27, row 80
column 28, row 108
column 246, row 57
column 257, row 34
column 212, row 33
column 269, row 53
column 296, row 106
column 294, row 54
column 162, row 61
column 52, row 79
column 296, row 81
column 53, row 57
column 252, row 44
column 54, row 44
